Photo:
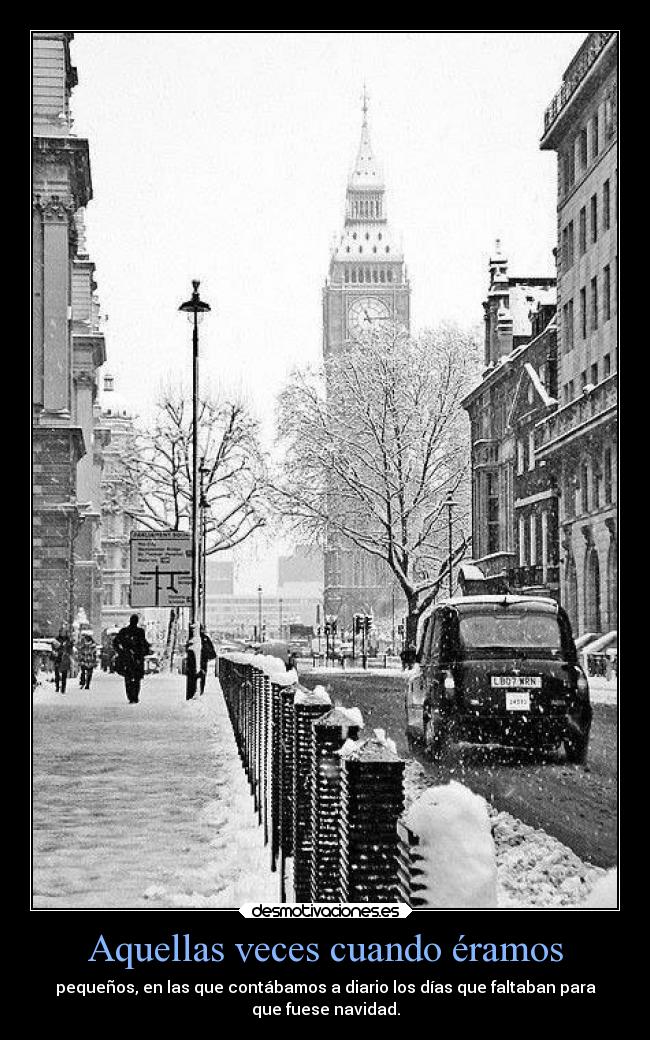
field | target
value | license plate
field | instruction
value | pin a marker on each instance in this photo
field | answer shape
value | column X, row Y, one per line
column 517, row 701
column 517, row 682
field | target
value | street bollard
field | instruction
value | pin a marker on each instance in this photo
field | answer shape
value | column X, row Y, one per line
column 329, row 733
column 372, row 800
column 308, row 706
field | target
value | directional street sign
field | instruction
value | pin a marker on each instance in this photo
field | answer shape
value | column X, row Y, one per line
column 161, row 569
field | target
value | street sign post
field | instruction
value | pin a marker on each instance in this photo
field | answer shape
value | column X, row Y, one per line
column 161, row 569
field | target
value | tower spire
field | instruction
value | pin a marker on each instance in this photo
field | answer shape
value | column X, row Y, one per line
column 364, row 107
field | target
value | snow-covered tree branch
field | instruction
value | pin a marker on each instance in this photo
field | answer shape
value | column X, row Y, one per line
column 373, row 442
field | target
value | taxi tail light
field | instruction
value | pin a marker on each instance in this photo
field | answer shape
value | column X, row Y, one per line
column 582, row 685
column 449, row 686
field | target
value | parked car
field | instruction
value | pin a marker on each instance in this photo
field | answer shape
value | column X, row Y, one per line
column 498, row 669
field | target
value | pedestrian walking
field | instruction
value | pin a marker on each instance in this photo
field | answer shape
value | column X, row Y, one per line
column 63, row 650
column 208, row 653
column 131, row 649
column 87, row 657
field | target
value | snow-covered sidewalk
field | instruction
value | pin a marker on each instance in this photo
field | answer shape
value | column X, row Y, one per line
column 142, row 806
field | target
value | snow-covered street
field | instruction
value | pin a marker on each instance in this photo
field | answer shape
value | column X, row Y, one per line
column 144, row 805
column 147, row 807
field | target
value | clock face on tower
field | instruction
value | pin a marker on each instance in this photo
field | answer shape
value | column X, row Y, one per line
column 362, row 313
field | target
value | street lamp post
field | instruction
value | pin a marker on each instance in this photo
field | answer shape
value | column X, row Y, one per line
column 259, row 613
column 280, row 616
column 449, row 502
column 195, row 308
column 204, row 544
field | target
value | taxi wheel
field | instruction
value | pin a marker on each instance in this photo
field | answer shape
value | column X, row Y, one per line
column 575, row 747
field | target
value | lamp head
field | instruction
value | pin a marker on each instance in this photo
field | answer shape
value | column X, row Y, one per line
column 195, row 307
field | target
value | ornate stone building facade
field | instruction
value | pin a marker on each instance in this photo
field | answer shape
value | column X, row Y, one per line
column 367, row 282
column 578, row 441
column 67, row 349
column 514, row 502
column 119, row 505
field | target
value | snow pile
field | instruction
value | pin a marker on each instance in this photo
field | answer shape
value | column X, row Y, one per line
column 318, row 695
column 533, row 869
column 603, row 691
column 604, row 894
column 457, row 847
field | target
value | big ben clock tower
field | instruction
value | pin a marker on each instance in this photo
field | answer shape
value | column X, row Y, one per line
column 367, row 283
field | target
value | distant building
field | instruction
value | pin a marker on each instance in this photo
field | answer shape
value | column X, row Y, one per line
column 119, row 504
column 578, row 440
column 514, row 502
column 220, row 576
column 239, row 616
column 67, row 350
column 301, row 574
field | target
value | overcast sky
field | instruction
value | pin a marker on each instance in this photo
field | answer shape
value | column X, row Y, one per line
column 224, row 156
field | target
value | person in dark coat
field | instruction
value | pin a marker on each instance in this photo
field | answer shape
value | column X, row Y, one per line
column 87, row 657
column 63, row 650
column 208, row 653
column 131, row 647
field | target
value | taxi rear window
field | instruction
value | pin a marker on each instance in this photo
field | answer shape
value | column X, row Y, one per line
column 506, row 628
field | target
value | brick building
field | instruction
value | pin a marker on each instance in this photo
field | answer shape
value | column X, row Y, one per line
column 514, row 504
column 578, row 441
column 67, row 348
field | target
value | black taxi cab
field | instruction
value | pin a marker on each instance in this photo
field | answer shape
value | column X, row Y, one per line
column 501, row 670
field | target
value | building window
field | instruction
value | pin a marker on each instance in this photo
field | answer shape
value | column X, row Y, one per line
column 606, row 207
column 522, row 542
column 607, row 366
column 594, row 218
column 107, row 594
column 584, row 487
column 569, row 169
column 583, row 379
column 571, row 250
column 594, row 136
column 594, row 374
column 570, row 496
column 583, row 313
column 492, row 513
column 607, row 293
column 520, row 456
column 582, row 145
column 582, row 231
column 607, row 474
column 567, row 319
column 533, row 539
column 594, row 303
column 531, row 450
column 389, row 275
column 609, row 118
column 596, row 479
column 126, row 592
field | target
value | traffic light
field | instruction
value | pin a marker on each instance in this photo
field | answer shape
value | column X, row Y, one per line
column 367, row 621
column 357, row 622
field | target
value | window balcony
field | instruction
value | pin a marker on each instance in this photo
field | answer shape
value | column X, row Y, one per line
column 576, row 417
column 575, row 76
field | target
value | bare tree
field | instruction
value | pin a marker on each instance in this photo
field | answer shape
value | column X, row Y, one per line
column 157, row 466
column 232, row 460
column 373, row 442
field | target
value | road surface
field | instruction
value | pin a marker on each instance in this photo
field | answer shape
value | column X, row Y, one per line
column 576, row 805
